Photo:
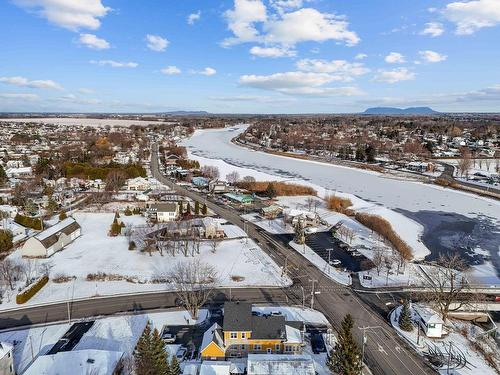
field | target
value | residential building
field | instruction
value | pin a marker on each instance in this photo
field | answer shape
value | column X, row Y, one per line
column 271, row 212
column 217, row 187
column 239, row 198
column 280, row 364
column 429, row 320
column 163, row 212
column 200, row 182
column 244, row 333
column 51, row 240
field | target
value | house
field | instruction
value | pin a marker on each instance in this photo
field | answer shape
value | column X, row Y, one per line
column 51, row 240
column 137, row 184
column 217, row 187
column 429, row 320
column 171, row 159
column 6, row 359
column 11, row 210
column 200, row 182
column 243, row 333
column 293, row 216
column 271, row 212
column 163, row 212
column 211, row 228
column 239, row 198
column 280, row 364
column 18, row 172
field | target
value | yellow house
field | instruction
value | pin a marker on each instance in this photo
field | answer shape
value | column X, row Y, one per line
column 243, row 333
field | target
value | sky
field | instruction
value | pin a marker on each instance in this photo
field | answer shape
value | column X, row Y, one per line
column 249, row 56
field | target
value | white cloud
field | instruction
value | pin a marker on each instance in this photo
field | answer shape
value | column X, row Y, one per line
column 93, row 42
column 69, row 14
column 171, row 70
column 241, row 20
column 298, row 83
column 432, row 57
column 395, row 75
column 249, row 22
column 254, row 98
column 115, row 64
column 361, row 56
column 193, row 17
column 272, row 52
column 433, row 29
column 208, row 71
column 395, row 58
column 283, row 5
column 339, row 70
column 71, row 98
column 308, row 24
column 471, row 16
column 157, row 43
column 84, row 90
column 19, row 96
column 24, row 82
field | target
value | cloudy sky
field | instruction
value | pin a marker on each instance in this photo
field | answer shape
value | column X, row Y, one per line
column 249, row 56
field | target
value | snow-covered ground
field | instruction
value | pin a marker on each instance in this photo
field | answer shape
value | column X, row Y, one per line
column 118, row 333
column 370, row 191
column 455, row 338
column 84, row 121
column 239, row 262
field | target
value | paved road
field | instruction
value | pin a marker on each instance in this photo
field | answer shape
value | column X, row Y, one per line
column 448, row 174
column 385, row 352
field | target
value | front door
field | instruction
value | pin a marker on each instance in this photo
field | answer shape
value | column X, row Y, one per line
column 269, row 350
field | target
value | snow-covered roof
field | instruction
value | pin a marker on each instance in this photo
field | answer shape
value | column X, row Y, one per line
column 191, row 369
column 215, row 368
column 293, row 212
column 68, row 226
column 280, row 364
column 82, row 362
column 293, row 335
column 5, row 348
column 213, row 334
column 428, row 315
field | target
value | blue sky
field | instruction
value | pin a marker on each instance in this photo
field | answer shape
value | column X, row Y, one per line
column 249, row 56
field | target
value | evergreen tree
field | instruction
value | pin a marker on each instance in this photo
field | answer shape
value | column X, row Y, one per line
column 404, row 318
column 128, row 211
column 371, row 152
column 345, row 358
column 204, row 210
column 116, row 228
column 143, row 357
column 3, row 176
column 175, row 369
column 188, row 209
column 5, row 240
column 160, row 357
column 62, row 216
column 271, row 190
column 196, row 208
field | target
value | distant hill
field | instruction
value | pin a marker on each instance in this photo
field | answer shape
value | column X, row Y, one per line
column 400, row 111
column 186, row 113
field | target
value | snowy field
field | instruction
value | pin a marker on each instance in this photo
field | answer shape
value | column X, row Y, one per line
column 239, row 262
column 118, row 333
column 85, row 121
column 400, row 202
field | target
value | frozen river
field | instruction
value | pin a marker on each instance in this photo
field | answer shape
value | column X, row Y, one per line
column 452, row 220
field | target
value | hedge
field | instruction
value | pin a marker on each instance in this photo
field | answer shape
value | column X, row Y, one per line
column 33, row 289
column 29, row 222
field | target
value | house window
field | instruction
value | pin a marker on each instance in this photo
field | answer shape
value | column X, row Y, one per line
column 243, row 347
column 269, row 350
column 432, row 325
column 277, row 347
column 234, row 335
column 288, row 348
column 257, row 347
column 243, row 335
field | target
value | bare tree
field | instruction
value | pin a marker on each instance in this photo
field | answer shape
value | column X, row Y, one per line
column 378, row 258
column 464, row 163
column 210, row 171
column 10, row 272
column 248, row 179
column 214, row 244
column 447, row 285
column 194, row 282
column 233, row 177
column 115, row 180
column 310, row 203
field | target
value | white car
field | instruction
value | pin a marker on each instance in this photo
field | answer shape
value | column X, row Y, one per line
column 310, row 230
column 181, row 353
column 335, row 262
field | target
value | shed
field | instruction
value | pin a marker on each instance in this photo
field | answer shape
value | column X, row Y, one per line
column 429, row 320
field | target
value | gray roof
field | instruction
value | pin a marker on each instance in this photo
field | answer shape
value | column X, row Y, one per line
column 164, row 207
column 51, row 235
column 238, row 317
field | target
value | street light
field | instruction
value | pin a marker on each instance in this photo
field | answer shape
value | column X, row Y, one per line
column 365, row 339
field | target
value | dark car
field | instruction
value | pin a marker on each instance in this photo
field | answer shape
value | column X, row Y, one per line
column 317, row 343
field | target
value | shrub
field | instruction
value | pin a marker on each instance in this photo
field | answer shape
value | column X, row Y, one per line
column 29, row 222
column 137, row 211
column 5, row 240
column 62, row 278
column 128, row 212
column 384, row 228
column 338, row 204
column 115, row 229
column 132, row 245
column 278, row 188
column 62, row 216
column 25, row 295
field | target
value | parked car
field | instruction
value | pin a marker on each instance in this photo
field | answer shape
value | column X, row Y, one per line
column 310, row 230
column 181, row 353
column 168, row 337
column 317, row 343
column 335, row 262
column 276, row 313
column 356, row 254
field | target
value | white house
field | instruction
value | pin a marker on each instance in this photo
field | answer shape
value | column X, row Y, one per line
column 18, row 172
column 164, row 212
column 51, row 240
column 11, row 210
column 429, row 320
column 137, row 184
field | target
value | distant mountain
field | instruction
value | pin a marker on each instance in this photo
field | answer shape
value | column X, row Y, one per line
column 400, row 111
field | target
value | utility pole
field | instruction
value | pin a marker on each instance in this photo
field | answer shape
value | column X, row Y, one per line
column 313, row 281
column 303, row 297
column 363, row 344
